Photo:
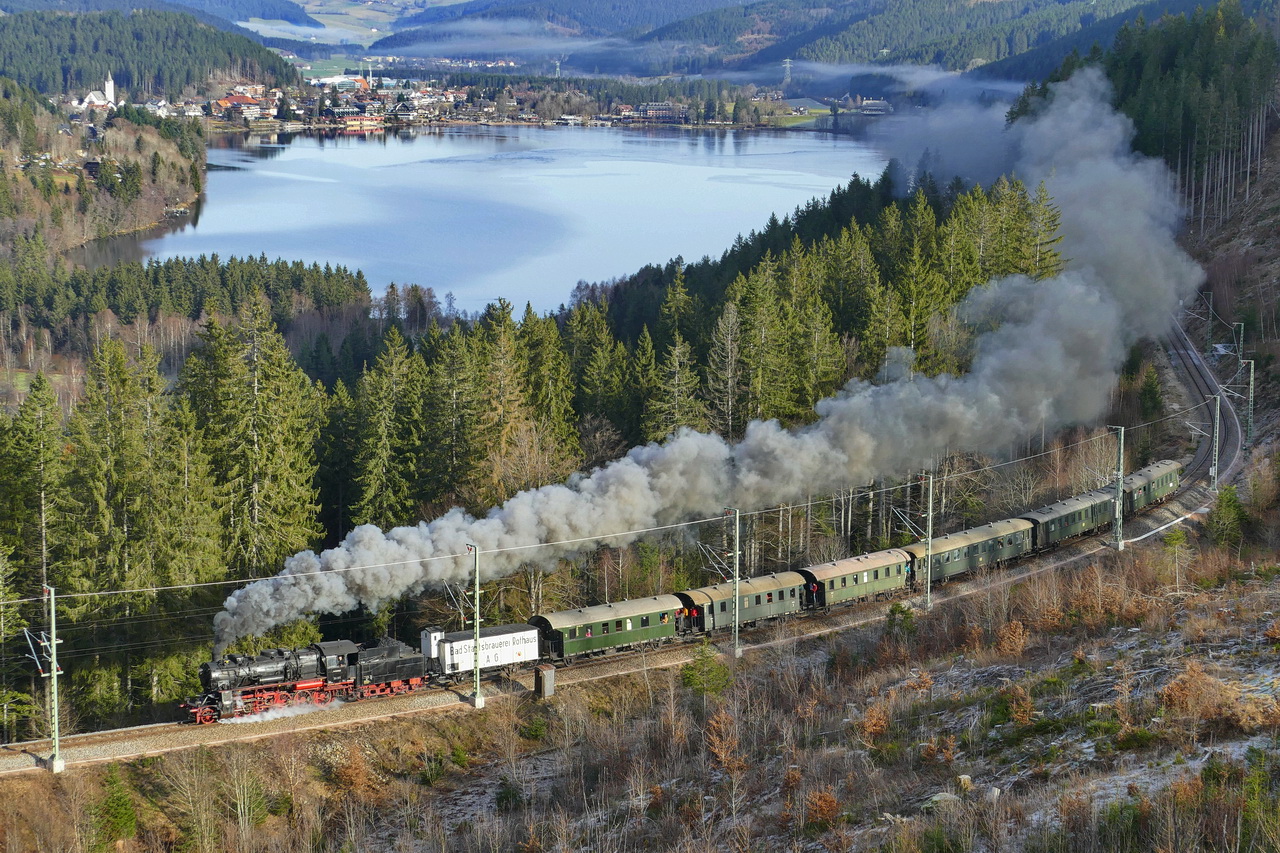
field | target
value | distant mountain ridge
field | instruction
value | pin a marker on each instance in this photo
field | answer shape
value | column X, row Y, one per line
column 708, row 36
column 221, row 11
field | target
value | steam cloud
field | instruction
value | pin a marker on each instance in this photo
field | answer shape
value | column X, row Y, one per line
column 1053, row 358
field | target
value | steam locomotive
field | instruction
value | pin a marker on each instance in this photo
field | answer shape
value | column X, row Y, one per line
column 240, row 685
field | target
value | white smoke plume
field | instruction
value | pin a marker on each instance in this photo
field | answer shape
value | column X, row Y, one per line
column 1053, row 358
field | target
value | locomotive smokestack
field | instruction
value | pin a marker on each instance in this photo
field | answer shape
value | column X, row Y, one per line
column 1051, row 358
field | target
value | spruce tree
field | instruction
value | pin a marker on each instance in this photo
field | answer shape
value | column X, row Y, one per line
column 261, row 417
column 724, row 387
column 677, row 401
column 34, row 484
column 765, row 363
column 389, row 413
column 548, row 380
column 336, row 455
column 452, row 414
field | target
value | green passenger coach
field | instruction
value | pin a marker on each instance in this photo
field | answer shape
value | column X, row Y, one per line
column 968, row 550
column 863, row 578
column 711, row 607
column 605, row 627
column 1150, row 485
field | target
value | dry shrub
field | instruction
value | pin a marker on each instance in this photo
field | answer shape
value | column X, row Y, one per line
column 1256, row 712
column 1011, row 638
column 1202, row 627
column 1212, row 565
column 1021, row 708
column 922, row 683
column 971, row 637
column 1124, row 694
column 352, row 775
column 1200, row 698
column 1049, row 619
column 791, row 779
column 939, row 749
column 1096, row 598
column 1076, row 813
column 722, row 743
column 874, row 723
column 1273, row 631
column 821, row 809
column 1186, row 791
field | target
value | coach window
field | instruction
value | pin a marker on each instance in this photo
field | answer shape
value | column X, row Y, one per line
column 831, row 584
column 573, row 633
column 604, row 627
column 757, row 600
column 793, row 592
column 644, row 621
column 768, row 598
column 724, row 605
column 876, row 575
column 843, row 582
column 617, row 626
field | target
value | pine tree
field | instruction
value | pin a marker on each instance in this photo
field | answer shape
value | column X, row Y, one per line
column 586, row 331
column 336, row 456
column 452, row 416
column 110, row 533
column 548, row 380
column 724, row 387
column 519, row 452
column 923, row 293
column 850, row 270
column 1044, row 218
column 764, row 338
column 602, row 389
column 260, row 416
column 818, row 361
column 676, row 315
column 884, row 327
column 389, row 412
column 15, row 705
column 676, row 402
column 34, row 473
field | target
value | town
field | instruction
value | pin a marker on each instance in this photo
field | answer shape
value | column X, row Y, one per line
column 362, row 104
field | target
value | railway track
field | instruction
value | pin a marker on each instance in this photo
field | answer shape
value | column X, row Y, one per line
column 1203, row 385
column 136, row 742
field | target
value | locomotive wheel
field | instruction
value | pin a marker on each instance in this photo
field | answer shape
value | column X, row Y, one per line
column 302, row 697
column 323, row 698
column 206, row 715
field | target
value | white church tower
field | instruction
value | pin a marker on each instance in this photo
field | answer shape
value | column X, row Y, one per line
column 109, row 89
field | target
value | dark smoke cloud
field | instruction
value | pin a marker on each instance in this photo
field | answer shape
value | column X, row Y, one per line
column 1052, row 359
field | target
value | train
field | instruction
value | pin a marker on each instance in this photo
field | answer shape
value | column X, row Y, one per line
column 241, row 685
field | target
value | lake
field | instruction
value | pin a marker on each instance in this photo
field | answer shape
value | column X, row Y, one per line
column 481, row 212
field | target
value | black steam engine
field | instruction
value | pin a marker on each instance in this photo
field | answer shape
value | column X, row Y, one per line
column 238, row 685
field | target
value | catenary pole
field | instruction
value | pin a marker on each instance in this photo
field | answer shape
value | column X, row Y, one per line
column 1217, row 423
column 928, row 550
column 56, row 764
column 737, row 551
column 1119, row 501
column 478, row 697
